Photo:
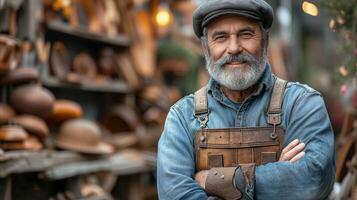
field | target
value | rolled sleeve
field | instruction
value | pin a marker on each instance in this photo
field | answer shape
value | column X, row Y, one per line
column 176, row 163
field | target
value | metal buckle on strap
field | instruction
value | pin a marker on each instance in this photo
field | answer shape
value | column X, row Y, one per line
column 274, row 135
column 202, row 119
column 274, row 119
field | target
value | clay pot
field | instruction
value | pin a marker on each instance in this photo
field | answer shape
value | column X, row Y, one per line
column 83, row 136
column 31, row 143
column 19, row 75
column 121, row 118
column 6, row 112
column 12, row 133
column 33, row 125
column 84, row 65
column 32, row 99
column 65, row 109
column 123, row 140
column 60, row 63
column 107, row 62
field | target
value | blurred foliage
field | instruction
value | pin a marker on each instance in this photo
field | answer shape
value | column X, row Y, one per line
column 343, row 15
column 344, row 12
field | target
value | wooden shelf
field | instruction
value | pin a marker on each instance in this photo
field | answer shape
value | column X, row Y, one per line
column 112, row 87
column 56, row 165
column 82, row 33
column 124, row 163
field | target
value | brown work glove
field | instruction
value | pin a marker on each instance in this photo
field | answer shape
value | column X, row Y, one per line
column 220, row 182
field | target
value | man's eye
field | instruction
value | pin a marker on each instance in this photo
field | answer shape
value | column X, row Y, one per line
column 219, row 38
column 246, row 35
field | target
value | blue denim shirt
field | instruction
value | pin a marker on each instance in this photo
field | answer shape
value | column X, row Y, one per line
column 304, row 116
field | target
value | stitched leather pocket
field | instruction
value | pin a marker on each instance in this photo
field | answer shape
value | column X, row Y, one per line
column 215, row 160
column 233, row 146
column 266, row 157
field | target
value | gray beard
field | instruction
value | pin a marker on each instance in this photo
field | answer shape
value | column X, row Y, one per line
column 240, row 78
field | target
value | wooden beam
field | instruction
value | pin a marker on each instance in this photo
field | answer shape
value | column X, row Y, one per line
column 57, row 165
column 27, row 161
column 122, row 163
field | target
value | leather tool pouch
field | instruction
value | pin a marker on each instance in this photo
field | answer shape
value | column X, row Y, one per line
column 232, row 146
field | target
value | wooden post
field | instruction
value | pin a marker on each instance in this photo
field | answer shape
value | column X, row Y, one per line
column 5, row 188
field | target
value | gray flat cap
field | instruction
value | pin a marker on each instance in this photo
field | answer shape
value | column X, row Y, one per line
column 212, row 9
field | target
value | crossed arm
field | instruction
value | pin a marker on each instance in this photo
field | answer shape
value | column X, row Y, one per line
column 292, row 153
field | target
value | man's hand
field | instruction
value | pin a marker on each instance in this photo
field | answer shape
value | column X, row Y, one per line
column 201, row 177
column 293, row 152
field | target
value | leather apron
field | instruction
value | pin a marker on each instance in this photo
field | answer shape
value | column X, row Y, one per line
column 229, row 147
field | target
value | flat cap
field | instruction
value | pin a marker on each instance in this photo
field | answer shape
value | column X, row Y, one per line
column 209, row 10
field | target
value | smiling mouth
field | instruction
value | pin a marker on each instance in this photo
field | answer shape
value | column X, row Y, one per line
column 236, row 63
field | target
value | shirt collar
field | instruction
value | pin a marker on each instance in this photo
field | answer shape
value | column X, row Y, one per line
column 264, row 83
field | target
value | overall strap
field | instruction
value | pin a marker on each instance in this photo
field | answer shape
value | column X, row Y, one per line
column 274, row 111
column 201, row 107
column 276, row 100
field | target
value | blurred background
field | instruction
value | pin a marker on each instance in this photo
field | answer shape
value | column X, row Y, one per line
column 85, row 87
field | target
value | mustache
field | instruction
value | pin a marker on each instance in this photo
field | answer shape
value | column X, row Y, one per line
column 242, row 57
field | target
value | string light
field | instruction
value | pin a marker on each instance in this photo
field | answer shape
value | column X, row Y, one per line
column 66, row 3
column 310, row 8
column 343, row 70
column 332, row 24
column 163, row 17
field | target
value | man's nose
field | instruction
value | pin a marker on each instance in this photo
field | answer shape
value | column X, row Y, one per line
column 234, row 46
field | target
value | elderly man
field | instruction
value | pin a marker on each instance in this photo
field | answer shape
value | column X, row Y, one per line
column 247, row 134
